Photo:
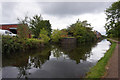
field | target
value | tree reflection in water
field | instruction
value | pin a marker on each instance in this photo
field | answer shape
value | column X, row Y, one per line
column 75, row 52
column 22, row 72
column 35, row 59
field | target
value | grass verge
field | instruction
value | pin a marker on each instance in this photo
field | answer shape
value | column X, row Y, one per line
column 98, row 70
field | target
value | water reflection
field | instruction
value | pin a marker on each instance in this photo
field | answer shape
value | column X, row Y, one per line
column 55, row 61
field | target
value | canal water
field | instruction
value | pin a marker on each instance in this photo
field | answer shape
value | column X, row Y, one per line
column 55, row 61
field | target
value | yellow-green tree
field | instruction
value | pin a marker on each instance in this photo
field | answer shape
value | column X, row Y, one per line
column 56, row 35
column 44, row 35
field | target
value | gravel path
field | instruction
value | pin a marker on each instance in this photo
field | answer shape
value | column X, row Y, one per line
column 112, row 66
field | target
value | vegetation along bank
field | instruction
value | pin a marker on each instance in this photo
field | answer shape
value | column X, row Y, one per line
column 11, row 45
column 43, row 34
column 99, row 69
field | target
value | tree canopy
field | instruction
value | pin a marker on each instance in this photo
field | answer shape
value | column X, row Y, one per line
column 44, row 35
column 113, row 20
column 23, row 29
column 56, row 35
column 37, row 23
column 82, row 31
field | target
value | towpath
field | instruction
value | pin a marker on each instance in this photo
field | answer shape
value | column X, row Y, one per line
column 112, row 68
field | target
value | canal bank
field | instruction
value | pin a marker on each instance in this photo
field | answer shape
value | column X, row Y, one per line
column 11, row 45
column 112, row 66
column 99, row 69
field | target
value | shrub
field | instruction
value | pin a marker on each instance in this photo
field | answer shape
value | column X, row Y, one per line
column 56, row 35
column 14, row 44
column 44, row 35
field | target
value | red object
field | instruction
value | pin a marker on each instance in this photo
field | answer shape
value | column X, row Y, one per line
column 8, row 26
column 12, row 28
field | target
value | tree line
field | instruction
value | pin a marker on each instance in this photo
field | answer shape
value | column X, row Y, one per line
column 81, row 30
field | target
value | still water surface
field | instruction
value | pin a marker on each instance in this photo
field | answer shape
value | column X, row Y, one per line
column 55, row 61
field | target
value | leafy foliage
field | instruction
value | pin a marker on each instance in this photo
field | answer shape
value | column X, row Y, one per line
column 81, row 31
column 59, row 34
column 56, row 35
column 23, row 31
column 44, row 35
column 36, row 23
column 64, row 33
column 14, row 44
column 113, row 20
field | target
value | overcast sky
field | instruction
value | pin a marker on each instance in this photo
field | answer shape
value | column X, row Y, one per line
column 60, row 14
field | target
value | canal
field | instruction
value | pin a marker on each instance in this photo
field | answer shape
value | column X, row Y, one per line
column 55, row 61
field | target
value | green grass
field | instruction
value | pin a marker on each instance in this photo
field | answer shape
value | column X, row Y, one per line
column 99, row 69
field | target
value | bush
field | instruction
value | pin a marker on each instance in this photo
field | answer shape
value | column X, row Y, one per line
column 56, row 35
column 14, row 44
column 45, row 38
column 44, row 35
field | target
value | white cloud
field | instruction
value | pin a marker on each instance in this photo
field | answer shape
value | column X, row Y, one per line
column 58, row 0
column 59, row 23
column 0, row 12
column 97, row 21
column 29, row 9
column 11, row 11
column 19, row 10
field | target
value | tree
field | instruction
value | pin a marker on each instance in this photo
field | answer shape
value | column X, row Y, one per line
column 23, row 29
column 81, row 31
column 36, row 23
column 56, row 35
column 113, row 20
column 47, row 26
column 79, row 23
column 44, row 35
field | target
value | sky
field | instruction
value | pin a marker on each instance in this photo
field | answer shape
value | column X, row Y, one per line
column 60, row 14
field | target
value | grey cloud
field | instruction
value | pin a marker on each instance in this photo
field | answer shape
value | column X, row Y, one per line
column 73, row 8
column 7, row 8
column 8, row 11
column 58, row 9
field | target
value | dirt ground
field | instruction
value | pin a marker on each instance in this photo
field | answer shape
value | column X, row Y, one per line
column 112, row 68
